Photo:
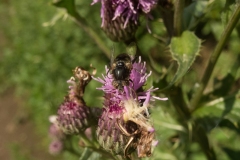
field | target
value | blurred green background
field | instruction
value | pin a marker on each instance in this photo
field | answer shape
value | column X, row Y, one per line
column 40, row 46
column 37, row 58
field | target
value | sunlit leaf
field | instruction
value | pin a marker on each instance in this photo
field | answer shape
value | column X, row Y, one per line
column 184, row 50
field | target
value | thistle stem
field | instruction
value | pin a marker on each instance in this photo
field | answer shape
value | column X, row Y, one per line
column 201, row 137
column 176, row 97
column 91, row 144
column 214, row 57
column 86, row 154
column 178, row 12
column 87, row 142
column 69, row 147
column 73, row 152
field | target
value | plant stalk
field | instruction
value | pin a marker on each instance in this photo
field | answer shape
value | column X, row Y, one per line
column 214, row 57
column 201, row 137
column 176, row 96
column 178, row 12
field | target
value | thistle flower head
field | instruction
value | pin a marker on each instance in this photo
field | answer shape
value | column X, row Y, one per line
column 120, row 18
column 125, row 117
column 73, row 118
column 73, row 114
column 129, row 9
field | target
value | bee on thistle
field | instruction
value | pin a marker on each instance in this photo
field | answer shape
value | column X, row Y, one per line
column 124, row 126
column 120, row 70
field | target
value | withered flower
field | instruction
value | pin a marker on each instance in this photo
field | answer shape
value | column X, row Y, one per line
column 73, row 115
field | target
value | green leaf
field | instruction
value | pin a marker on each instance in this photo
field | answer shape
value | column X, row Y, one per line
column 69, row 5
column 223, row 107
column 233, row 154
column 193, row 13
column 184, row 50
column 227, row 11
column 230, row 125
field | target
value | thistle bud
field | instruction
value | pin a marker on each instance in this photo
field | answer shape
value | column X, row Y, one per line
column 73, row 118
column 73, row 115
column 109, row 136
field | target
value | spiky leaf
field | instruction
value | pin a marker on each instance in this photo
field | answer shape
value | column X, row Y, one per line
column 184, row 50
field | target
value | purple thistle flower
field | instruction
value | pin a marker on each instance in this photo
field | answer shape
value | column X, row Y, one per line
column 73, row 118
column 138, row 77
column 108, row 134
column 125, row 125
column 120, row 18
column 73, row 115
column 130, row 9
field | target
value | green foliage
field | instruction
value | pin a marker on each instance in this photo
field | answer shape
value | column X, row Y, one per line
column 44, row 44
column 184, row 50
column 68, row 5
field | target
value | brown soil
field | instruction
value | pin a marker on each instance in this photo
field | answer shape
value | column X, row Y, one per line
column 17, row 132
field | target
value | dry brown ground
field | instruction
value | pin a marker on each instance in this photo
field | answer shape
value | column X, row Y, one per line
column 17, row 130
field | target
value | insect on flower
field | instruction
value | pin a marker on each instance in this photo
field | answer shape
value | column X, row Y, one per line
column 133, row 127
column 120, row 69
column 138, row 128
column 141, row 139
column 125, row 126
